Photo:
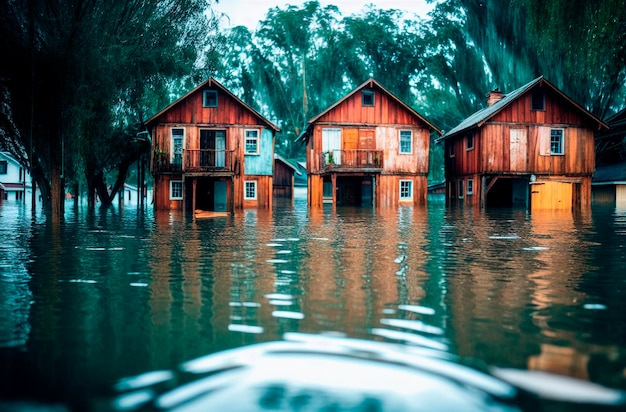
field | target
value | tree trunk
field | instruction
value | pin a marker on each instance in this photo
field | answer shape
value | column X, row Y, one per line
column 57, row 199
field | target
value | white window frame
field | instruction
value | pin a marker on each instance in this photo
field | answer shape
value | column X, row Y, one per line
column 252, row 138
column 410, row 137
column 173, row 145
column 332, row 142
column 252, row 184
column 561, row 141
column 409, row 196
column 205, row 98
column 469, row 138
column 470, row 187
column 172, row 197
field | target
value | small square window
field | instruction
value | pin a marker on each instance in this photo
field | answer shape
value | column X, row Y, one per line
column 210, row 98
column 367, row 97
column 249, row 190
column 537, row 100
column 252, row 142
column 556, row 141
column 470, row 186
column 406, row 190
column 406, row 141
column 470, row 142
column 176, row 190
column 4, row 166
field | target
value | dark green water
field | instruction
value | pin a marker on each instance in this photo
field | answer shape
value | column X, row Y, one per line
column 114, row 293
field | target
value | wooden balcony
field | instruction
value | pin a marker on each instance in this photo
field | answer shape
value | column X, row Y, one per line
column 198, row 161
column 352, row 160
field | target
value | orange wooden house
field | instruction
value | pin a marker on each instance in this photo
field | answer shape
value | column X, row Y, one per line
column 533, row 148
column 369, row 148
column 211, row 152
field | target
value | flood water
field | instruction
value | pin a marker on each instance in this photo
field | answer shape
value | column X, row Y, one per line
column 113, row 293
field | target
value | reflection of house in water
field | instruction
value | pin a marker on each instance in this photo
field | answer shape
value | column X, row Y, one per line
column 609, row 180
column 368, row 148
column 351, row 288
column 533, row 147
column 211, row 151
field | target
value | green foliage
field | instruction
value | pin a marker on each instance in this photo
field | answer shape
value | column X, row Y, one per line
column 85, row 74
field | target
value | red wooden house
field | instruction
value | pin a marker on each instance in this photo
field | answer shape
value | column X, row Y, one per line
column 211, row 152
column 368, row 148
column 533, row 147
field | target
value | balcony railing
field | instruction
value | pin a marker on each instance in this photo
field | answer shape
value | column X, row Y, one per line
column 351, row 159
column 199, row 160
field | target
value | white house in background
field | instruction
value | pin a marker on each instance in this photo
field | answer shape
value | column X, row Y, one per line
column 15, row 181
column 130, row 195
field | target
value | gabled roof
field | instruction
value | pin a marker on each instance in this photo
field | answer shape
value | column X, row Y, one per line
column 371, row 83
column 211, row 82
column 482, row 116
column 287, row 163
column 9, row 157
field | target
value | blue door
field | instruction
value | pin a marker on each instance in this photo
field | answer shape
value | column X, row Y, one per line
column 219, row 200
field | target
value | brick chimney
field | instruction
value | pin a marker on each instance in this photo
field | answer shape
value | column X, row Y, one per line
column 494, row 96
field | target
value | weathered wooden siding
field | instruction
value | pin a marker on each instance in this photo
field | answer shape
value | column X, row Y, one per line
column 604, row 195
column 385, row 111
column 561, row 193
column 191, row 111
column 388, row 190
column 315, row 190
column 620, row 196
column 161, row 193
column 283, row 179
column 557, row 111
column 495, row 152
column 264, row 192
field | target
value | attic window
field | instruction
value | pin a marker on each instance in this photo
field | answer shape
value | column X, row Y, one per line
column 537, row 100
column 210, row 98
column 4, row 167
column 367, row 97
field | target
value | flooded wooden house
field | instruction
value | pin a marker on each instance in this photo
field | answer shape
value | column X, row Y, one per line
column 369, row 148
column 211, row 152
column 608, row 187
column 533, row 147
column 284, row 176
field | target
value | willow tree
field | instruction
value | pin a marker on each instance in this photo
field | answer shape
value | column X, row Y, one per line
column 78, row 76
column 578, row 45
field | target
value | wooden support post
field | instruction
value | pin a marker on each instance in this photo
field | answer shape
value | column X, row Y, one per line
column 333, row 178
column 194, row 184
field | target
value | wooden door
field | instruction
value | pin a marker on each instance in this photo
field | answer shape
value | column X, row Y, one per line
column 219, row 196
column 518, row 150
column 551, row 196
column 366, row 145
column 350, row 145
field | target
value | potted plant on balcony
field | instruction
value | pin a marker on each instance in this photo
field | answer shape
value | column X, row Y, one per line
column 161, row 158
column 330, row 160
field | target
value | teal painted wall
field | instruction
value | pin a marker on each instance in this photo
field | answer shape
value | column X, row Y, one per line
column 263, row 163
